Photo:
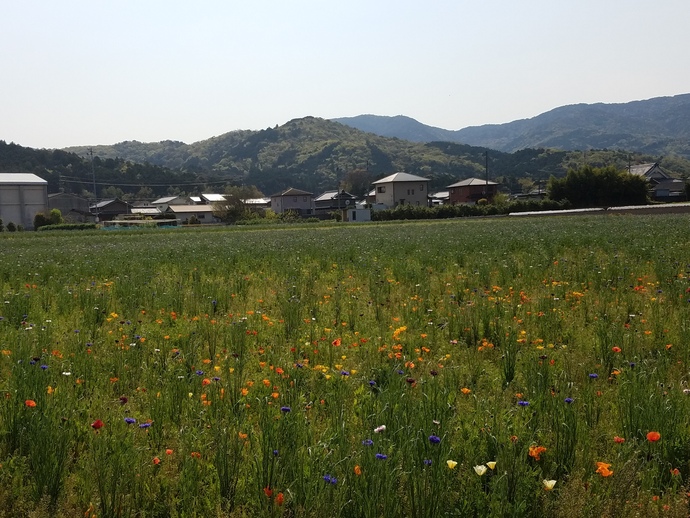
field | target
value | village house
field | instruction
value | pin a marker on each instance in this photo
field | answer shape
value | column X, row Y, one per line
column 301, row 202
column 401, row 189
column 332, row 201
column 162, row 204
column 662, row 185
column 471, row 190
column 22, row 196
column 653, row 173
column 74, row 209
column 107, row 210
column 203, row 214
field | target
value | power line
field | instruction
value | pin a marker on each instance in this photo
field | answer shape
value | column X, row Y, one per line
column 74, row 179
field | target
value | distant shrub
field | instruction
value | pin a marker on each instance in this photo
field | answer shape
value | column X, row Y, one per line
column 463, row 211
column 69, row 226
column 52, row 218
column 11, row 227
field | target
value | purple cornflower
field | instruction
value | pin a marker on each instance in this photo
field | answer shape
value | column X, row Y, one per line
column 434, row 439
column 130, row 420
column 568, row 400
column 368, row 442
column 144, row 425
column 381, row 456
column 285, row 409
column 593, row 376
column 523, row 403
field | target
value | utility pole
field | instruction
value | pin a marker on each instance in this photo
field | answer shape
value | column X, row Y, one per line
column 93, row 176
column 486, row 167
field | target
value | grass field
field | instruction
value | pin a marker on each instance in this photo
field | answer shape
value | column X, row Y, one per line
column 487, row 367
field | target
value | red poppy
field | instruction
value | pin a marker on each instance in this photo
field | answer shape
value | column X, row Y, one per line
column 30, row 403
column 279, row 499
column 618, row 440
column 156, row 461
column 97, row 424
column 268, row 491
column 653, row 436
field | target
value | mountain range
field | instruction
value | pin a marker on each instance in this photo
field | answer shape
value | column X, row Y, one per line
column 659, row 126
column 318, row 154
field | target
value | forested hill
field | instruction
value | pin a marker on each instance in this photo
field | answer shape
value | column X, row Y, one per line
column 658, row 126
column 309, row 153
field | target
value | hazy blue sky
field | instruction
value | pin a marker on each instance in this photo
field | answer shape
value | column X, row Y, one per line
column 76, row 72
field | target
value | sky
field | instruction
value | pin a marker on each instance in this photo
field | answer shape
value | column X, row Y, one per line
column 79, row 72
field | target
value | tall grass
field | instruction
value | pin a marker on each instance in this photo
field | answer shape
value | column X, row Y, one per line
column 412, row 369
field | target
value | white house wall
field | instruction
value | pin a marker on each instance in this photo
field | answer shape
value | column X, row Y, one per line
column 20, row 203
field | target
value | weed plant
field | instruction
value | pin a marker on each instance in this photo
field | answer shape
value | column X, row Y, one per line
column 450, row 368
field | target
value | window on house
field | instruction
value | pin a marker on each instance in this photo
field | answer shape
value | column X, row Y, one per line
column 381, row 189
column 201, row 216
column 421, row 187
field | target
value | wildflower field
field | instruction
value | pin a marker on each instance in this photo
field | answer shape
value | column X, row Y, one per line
column 495, row 367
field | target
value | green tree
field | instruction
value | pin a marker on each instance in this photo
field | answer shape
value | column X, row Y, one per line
column 357, row 182
column 40, row 220
column 599, row 187
column 55, row 217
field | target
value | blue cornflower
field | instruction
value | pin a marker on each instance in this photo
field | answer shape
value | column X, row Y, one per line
column 44, row 367
column 434, row 439
column 368, row 442
column 523, row 403
column 130, row 420
column 285, row 409
column 344, row 373
column 568, row 400
column 381, row 456
column 276, row 453
column 330, row 479
column 593, row 376
column 144, row 425
column 372, row 383
column 427, row 462
column 199, row 373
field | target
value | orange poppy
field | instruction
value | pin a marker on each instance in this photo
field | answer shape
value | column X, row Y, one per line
column 536, row 451
column 603, row 469
column 653, row 436
column 30, row 403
